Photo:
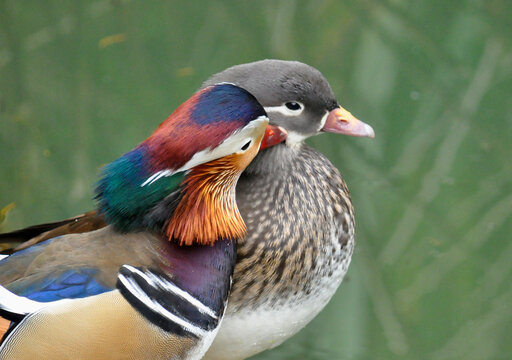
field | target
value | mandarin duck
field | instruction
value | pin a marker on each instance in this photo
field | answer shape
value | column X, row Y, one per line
column 296, row 206
column 153, row 283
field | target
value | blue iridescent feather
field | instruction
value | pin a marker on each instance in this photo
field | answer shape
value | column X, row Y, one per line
column 226, row 103
column 72, row 284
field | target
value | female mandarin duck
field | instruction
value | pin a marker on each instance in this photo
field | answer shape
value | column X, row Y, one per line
column 296, row 206
column 153, row 284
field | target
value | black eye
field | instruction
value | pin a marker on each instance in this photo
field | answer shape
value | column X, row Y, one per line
column 293, row 105
column 246, row 146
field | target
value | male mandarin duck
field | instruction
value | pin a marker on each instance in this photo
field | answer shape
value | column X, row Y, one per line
column 154, row 282
column 296, row 206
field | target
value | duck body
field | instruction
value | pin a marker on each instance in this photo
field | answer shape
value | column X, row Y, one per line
column 154, row 282
column 300, row 241
column 87, row 313
column 296, row 206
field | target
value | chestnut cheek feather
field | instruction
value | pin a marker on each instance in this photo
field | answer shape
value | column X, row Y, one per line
column 207, row 211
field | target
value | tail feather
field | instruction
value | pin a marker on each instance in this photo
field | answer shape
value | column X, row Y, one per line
column 21, row 239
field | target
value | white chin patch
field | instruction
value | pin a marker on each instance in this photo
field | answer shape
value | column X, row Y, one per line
column 294, row 138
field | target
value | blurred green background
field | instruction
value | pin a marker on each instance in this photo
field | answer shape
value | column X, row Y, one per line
column 82, row 82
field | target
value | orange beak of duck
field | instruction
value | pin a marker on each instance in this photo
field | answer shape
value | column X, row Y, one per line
column 273, row 136
column 340, row 121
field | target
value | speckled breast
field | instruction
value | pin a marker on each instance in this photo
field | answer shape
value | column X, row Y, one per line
column 298, row 248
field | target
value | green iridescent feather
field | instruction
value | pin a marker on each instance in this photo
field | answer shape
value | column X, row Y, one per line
column 121, row 197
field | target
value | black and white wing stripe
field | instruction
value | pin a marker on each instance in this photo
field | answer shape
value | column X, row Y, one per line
column 166, row 305
column 14, row 307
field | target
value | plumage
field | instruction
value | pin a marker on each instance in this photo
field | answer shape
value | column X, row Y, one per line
column 298, row 212
column 197, row 131
column 24, row 238
column 297, row 209
column 131, row 289
column 121, row 334
column 204, row 272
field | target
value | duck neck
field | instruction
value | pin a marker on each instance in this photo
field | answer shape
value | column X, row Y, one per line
column 274, row 159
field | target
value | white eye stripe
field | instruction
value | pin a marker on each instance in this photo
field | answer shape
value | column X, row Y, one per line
column 231, row 145
column 283, row 109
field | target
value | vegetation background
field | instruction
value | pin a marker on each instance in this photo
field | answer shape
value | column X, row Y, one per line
column 82, row 82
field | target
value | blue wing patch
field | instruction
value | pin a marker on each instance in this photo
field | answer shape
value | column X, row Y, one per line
column 55, row 284
column 71, row 284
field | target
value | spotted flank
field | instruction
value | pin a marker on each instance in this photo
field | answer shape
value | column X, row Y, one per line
column 159, row 300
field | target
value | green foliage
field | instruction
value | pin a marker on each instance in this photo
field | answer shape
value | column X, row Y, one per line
column 3, row 214
column 82, row 82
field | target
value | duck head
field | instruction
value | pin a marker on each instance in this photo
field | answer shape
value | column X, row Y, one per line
column 181, row 180
column 297, row 98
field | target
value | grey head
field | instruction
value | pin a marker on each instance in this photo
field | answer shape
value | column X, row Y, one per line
column 296, row 96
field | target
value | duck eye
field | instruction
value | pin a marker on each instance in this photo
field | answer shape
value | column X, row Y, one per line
column 246, row 146
column 293, row 105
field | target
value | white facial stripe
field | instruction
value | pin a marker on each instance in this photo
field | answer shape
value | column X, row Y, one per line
column 323, row 120
column 229, row 146
column 294, row 138
column 282, row 109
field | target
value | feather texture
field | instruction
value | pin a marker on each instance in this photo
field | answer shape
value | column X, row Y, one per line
column 214, row 123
